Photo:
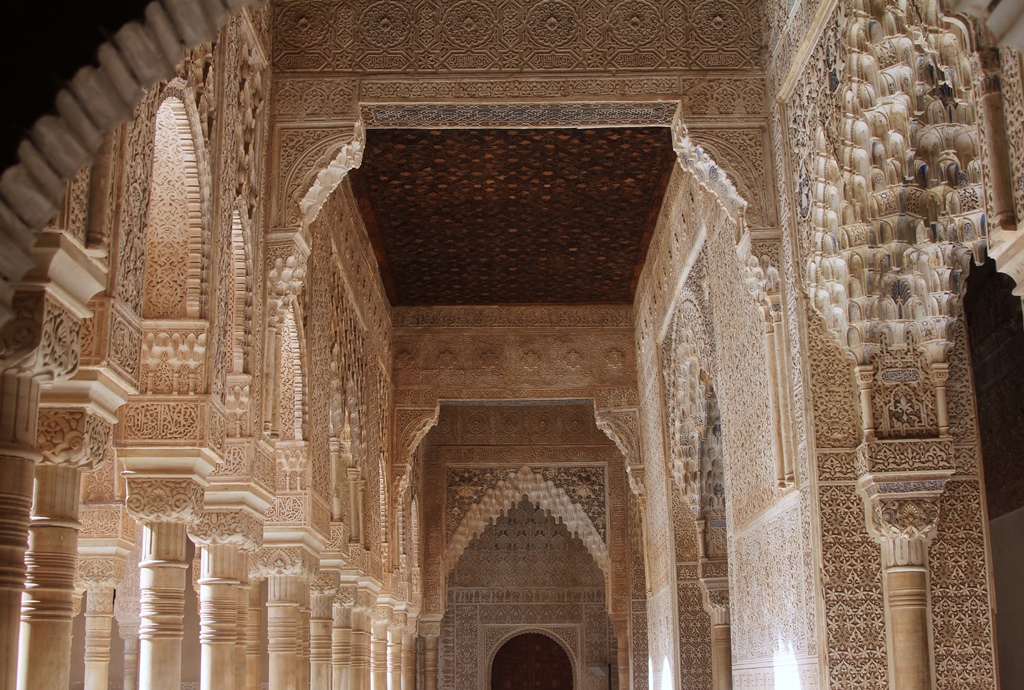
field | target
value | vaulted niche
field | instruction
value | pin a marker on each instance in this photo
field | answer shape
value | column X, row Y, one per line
column 519, row 495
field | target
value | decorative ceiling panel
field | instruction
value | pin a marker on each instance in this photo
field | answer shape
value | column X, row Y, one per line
column 432, row 36
column 491, row 216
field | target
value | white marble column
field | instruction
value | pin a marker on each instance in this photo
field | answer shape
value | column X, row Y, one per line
column 242, row 625
column 15, row 507
column 164, row 507
column 715, row 592
column 379, row 653
column 360, row 650
column 322, row 592
column 99, row 616
column 225, row 537
column 304, row 618
column 430, row 645
column 341, row 640
column 252, row 650
column 394, row 662
column 46, row 610
column 903, row 516
column 130, row 658
column 408, row 661
column 218, row 612
column 41, row 341
column 283, row 621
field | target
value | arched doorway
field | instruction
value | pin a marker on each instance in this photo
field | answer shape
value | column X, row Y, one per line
column 531, row 661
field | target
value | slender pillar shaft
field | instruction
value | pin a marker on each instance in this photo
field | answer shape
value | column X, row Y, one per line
column 320, row 642
column 379, row 660
column 360, row 654
column 130, row 637
column 252, row 649
column 341, row 649
column 430, row 663
column 242, row 628
column 47, row 608
column 906, row 597
column 622, row 660
column 218, row 613
column 721, row 657
column 394, row 661
column 99, row 614
column 283, row 623
column 304, row 622
column 15, row 507
column 162, row 571
column 408, row 662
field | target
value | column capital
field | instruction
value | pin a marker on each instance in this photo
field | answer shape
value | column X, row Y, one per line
column 715, row 593
column 902, row 512
column 99, row 572
column 430, row 629
column 74, row 436
column 164, row 499
column 295, row 561
column 238, row 527
column 326, row 582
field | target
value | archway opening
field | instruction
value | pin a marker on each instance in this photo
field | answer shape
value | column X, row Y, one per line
column 531, row 661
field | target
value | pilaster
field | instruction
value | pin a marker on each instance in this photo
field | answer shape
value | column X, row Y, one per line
column 902, row 513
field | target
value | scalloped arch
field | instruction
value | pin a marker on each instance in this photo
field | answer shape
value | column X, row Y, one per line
column 543, row 494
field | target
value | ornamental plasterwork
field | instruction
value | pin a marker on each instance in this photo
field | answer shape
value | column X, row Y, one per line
column 388, row 37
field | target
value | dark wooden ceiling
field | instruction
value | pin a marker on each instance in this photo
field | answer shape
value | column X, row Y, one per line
column 493, row 216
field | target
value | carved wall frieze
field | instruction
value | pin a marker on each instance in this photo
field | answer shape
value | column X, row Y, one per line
column 430, row 37
column 491, row 115
column 513, row 317
column 905, row 455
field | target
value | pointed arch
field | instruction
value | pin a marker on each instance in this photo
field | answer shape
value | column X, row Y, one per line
column 173, row 279
column 543, row 494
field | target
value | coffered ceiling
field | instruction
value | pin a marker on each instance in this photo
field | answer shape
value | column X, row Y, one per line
column 493, row 216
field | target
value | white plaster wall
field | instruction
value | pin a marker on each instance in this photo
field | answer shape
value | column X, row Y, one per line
column 1008, row 565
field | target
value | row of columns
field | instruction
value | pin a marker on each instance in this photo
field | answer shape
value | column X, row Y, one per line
column 325, row 645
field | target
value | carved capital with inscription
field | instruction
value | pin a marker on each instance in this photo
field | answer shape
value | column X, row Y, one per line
column 164, row 500
column 233, row 527
column 902, row 513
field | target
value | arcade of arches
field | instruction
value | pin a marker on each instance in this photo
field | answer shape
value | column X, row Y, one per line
column 449, row 344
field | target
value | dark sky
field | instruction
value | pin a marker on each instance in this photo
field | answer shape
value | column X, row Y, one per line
column 44, row 42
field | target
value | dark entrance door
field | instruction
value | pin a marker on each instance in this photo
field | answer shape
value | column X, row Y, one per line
column 531, row 661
